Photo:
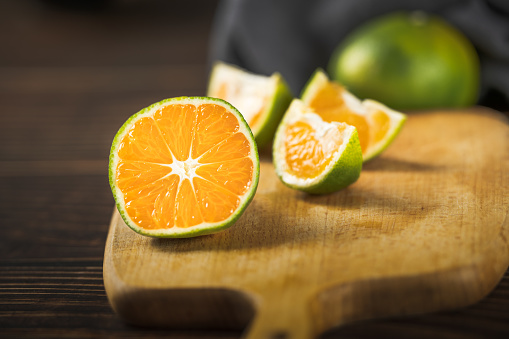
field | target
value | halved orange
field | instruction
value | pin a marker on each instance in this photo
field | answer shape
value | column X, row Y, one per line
column 376, row 124
column 183, row 167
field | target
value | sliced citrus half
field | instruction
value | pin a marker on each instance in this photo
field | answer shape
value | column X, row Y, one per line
column 376, row 124
column 262, row 100
column 183, row 167
column 313, row 155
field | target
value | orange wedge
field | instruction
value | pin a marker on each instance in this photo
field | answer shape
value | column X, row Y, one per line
column 262, row 100
column 376, row 124
column 183, row 167
column 313, row 155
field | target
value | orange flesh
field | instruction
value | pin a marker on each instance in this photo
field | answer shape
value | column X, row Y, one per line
column 383, row 123
column 232, row 95
column 307, row 154
column 329, row 104
column 205, row 139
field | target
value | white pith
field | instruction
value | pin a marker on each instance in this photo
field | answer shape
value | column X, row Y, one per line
column 185, row 170
column 249, row 93
column 298, row 111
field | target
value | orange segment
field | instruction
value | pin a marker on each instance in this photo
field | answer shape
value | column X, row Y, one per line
column 176, row 123
column 328, row 96
column 215, row 203
column 143, row 142
column 146, row 205
column 307, row 154
column 213, row 125
column 164, row 210
column 234, row 175
column 187, row 211
column 236, row 146
column 133, row 174
column 383, row 123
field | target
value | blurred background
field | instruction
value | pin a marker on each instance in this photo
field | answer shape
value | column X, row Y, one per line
column 71, row 72
column 296, row 37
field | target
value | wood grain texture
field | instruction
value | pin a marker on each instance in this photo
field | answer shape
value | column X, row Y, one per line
column 424, row 229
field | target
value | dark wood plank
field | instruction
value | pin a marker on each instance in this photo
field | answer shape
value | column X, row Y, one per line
column 65, row 297
column 76, row 127
column 54, row 216
column 121, row 33
column 70, row 79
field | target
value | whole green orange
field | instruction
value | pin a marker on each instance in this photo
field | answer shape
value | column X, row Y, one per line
column 408, row 61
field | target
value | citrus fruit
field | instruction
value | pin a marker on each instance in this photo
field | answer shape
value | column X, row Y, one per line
column 408, row 61
column 313, row 155
column 262, row 100
column 376, row 124
column 183, row 167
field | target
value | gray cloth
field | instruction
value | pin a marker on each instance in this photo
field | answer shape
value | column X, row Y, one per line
column 294, row 37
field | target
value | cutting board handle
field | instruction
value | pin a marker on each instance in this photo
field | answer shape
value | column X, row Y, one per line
column 281, row 318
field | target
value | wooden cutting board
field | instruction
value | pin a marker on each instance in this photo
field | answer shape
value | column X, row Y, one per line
column 425, row 228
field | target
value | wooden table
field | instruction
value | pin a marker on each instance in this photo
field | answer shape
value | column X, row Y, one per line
column 68, row 79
